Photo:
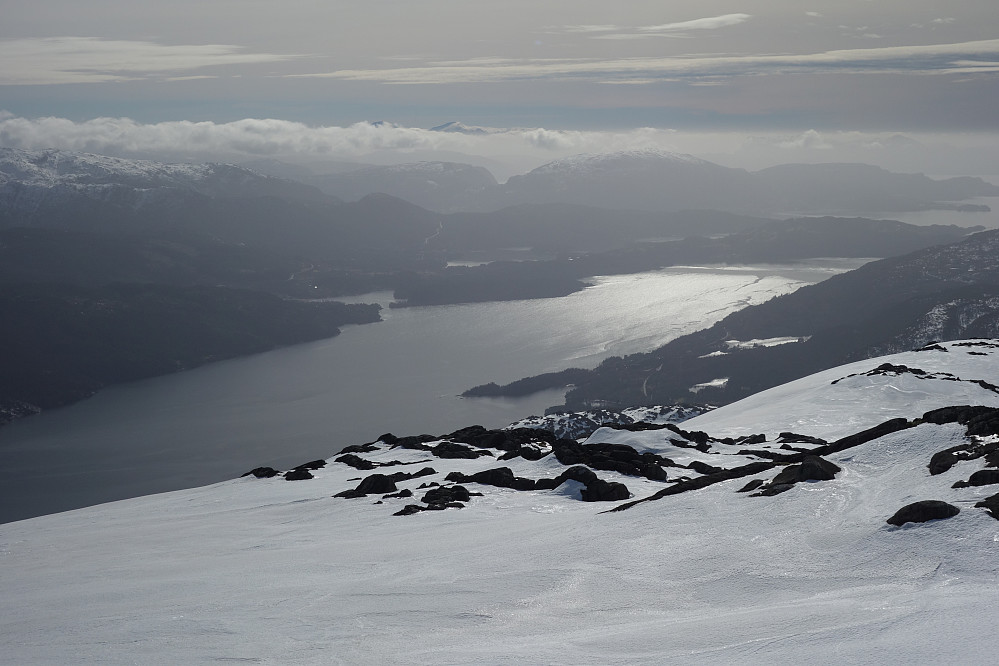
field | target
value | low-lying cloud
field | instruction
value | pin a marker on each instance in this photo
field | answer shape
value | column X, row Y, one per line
column 505, row 151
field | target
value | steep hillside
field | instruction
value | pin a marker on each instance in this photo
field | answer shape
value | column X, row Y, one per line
column 943, row 292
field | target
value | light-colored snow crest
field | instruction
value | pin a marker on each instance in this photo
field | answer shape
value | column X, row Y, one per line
column 277, row 572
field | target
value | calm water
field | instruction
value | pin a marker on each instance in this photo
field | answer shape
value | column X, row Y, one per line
column 402, row 375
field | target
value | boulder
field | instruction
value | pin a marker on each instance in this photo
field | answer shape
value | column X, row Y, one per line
column 990, row 504
column 446, row 495
column 355, row 461
column 923, row 511
column 453, row 450
column 315, row 464
column 751, row 486
column 984, row 477
column 298, row 475
column 376, row 483
column 812, row 468
column 262, row 472
column 369, row 485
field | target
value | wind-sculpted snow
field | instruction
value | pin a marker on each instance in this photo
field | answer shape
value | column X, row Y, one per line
column 485, row 560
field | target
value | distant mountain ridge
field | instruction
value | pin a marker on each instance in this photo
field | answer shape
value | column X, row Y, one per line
column 658, row 180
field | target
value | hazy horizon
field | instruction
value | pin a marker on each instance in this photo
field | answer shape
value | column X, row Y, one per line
column 909, row 86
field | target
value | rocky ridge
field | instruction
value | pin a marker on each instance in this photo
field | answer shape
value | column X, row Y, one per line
column 625, row 458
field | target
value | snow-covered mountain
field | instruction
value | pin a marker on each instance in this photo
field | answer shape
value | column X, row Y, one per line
column 39, row 182
column 754, row 533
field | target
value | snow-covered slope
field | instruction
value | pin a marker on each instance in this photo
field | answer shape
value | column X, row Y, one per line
column 265, row 570
column 36, row 181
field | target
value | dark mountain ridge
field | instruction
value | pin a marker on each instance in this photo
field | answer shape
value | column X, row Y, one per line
column 887, row 306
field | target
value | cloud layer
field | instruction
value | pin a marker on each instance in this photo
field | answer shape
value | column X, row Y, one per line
column 505, row 151
column 56, row 60
column 966, row 57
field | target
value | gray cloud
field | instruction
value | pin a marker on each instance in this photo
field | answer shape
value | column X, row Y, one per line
column 282, row 137
column 919, row 59
column 56, row 60
column 666, row 29
column 509, row 150
column 710, row 23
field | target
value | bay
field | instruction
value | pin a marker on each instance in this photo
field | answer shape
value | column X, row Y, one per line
column 403, row 375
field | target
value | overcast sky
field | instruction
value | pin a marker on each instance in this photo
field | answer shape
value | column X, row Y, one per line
column 920, row 67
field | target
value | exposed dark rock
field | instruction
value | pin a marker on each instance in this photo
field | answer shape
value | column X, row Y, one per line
column 453, row 450
column 751, row 486
column 696, row 436
column 769, row 455
column 355, row 461
column 405, row 476
column 772, row 489
column 920, row 512
column 984, row 424
column 370, row 485
column 704, row 468
column 501, row 477
column 637, row 426
column 360, row 448
column 604, row 491
column 315, row 464
column 751, row 439
column 447, row 494
column 702, row 482
column 618, row 458
column 409, row 510
column 990, row 504
column 956, row 414
column 405, row 492
column 262, row 472
column 798, row 449
column 983, row 477
column 416, row 442
column 812, row 468
column 704, row 447
column 298, row 475
column 941, row 461
column 376, row 483
column 793, row 437
column 864, row 436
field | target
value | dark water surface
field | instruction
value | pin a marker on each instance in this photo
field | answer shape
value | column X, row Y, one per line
column 402, row 375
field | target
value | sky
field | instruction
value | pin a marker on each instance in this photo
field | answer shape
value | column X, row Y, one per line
column 312, row 77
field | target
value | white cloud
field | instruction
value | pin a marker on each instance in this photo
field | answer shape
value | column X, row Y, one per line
column 810, row 140
column 616, row 32
column 271, row 137
column 590, row 28
column 510, row 151
column 711, row 23
column 55, row 60
column 922, row 59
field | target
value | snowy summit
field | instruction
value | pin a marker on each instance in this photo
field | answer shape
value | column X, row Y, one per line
column 847, row 517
